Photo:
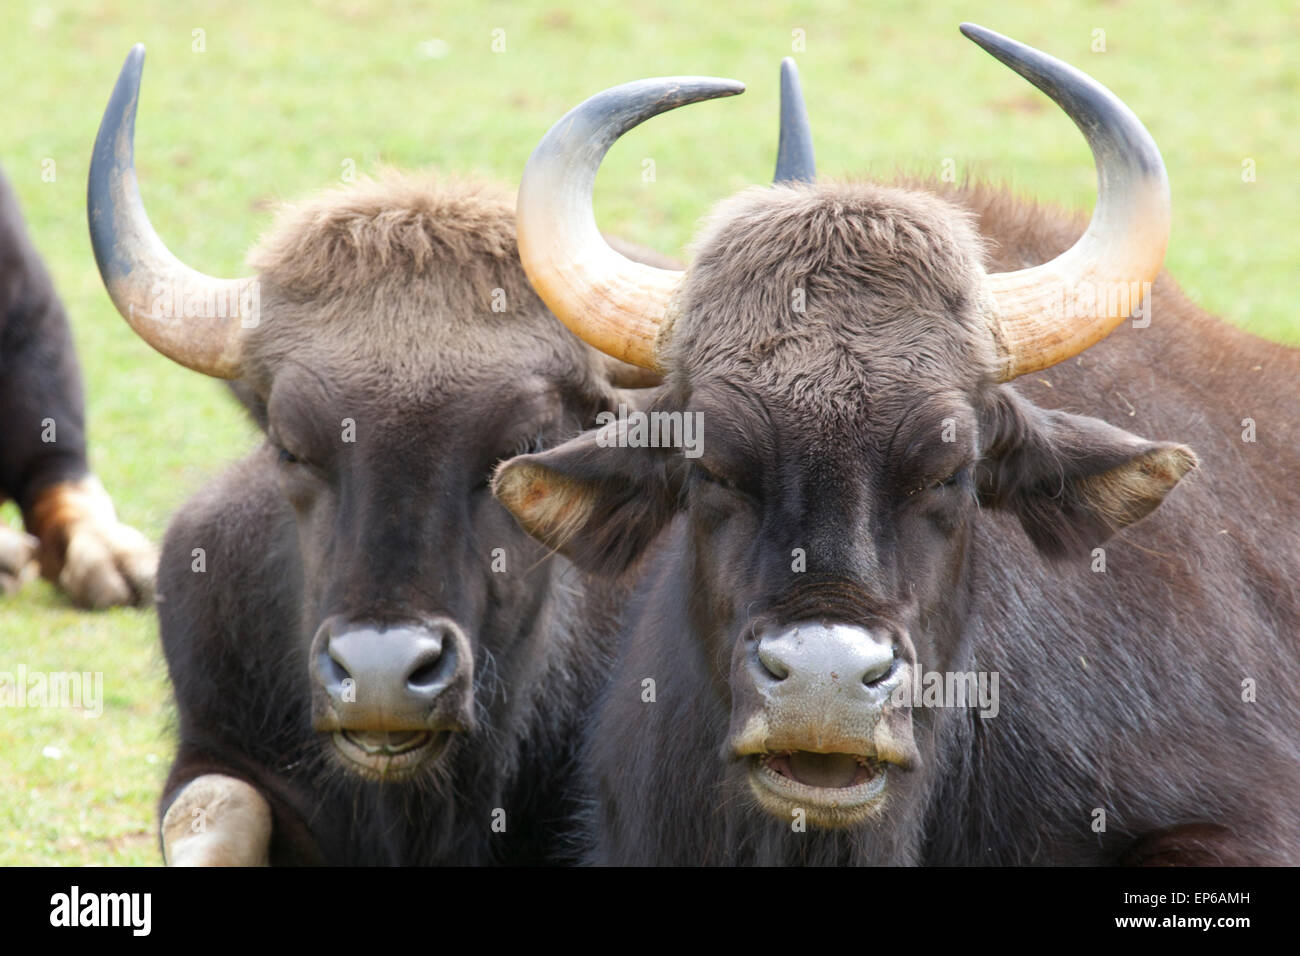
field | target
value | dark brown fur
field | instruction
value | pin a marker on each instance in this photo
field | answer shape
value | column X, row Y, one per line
column 1121, row 691
column 377, row 307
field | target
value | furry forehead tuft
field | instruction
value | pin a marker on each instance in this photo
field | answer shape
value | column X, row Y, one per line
column 833, row 284
column 354, row 237
column 408, row 282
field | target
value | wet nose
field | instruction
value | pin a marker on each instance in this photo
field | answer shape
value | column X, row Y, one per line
column 372, row 677
column 809, row 656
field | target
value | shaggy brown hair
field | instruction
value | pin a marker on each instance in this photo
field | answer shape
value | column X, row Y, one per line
column 908, row 261
column 411, row 280
column 358, row 236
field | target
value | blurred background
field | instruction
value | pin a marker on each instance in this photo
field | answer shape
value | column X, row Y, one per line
column 245, row 105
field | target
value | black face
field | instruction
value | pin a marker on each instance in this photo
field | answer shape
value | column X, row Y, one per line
column 414, row 575
column 829, row 559
column 828, row 552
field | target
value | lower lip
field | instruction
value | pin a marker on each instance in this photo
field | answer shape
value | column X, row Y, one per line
column 834, row 798
column 386, row 764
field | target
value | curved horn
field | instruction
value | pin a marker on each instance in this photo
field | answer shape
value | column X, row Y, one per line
column 191, row 318
column 795, row 162
column 1109, row 268
column 606, row 299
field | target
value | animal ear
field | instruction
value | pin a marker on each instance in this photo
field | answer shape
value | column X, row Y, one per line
column 593, row 499
column 1073, row 481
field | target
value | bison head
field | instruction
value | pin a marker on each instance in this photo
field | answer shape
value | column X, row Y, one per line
column 846, row 355
column 393, row 352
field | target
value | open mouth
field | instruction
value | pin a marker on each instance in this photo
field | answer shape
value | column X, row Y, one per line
column 389, row 755
column 825, row 780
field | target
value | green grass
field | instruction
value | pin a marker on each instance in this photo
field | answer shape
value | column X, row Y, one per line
column 285, row 95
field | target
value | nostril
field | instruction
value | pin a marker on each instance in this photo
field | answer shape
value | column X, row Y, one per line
column 332, row 670
column 431, row 671
column 425, row 676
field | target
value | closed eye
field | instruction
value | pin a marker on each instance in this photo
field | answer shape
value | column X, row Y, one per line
column 285, row 457
column 713, row 478
column 531, row 444
column 960, row 479
column 296, row 467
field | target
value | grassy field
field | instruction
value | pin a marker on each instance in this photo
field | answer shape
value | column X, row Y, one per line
column 283, row 99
